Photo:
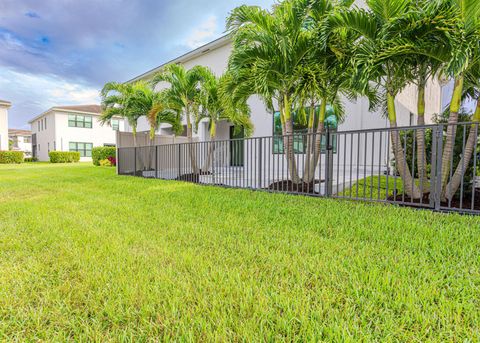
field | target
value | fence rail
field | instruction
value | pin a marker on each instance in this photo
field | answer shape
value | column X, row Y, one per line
column 405, row 165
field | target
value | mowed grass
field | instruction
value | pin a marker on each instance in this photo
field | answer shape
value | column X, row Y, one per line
column 87, row 255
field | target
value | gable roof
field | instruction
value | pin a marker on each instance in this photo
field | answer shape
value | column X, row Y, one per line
column 87, row 109
column 18, row 132
column 81, row 108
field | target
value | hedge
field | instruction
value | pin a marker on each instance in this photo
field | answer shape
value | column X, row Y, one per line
column 30, row 159
column 100, row 153
column 10, row 157
column 64, row 156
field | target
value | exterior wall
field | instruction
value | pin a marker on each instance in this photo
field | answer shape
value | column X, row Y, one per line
column 45, row 135
column 20, row 144
column 58, row 134
column 358, row 115
column 3, row 127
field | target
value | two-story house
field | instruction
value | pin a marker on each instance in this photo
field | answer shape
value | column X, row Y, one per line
column 21, row 140
column 4, row 106
column 72, row 128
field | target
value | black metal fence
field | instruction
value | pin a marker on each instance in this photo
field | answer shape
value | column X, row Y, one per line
column 433, row 166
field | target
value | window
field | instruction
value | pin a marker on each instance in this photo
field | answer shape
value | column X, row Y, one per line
column 79, row 121
column 85, row 149
column 299, row 131
column 412, row 119
column 27, row 139
column 115, row 124
column 38, row 122
column 41, row 124
column 45, row 123
column 109, row 145
column 48, row 146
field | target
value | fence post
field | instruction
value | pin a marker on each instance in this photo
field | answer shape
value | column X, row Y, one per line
column 179, row 160
column 213, row 161
column 156, row 161
column 438, row 172
column 134, row 161
column 328, row 165
column 260, row 164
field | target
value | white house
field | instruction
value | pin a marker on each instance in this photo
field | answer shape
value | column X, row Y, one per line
column 373, row 150
column 21, row 140
column 215, row 55
column 4, row 106
column 72, row 128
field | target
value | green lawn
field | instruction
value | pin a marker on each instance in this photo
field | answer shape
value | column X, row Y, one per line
column 88, row 255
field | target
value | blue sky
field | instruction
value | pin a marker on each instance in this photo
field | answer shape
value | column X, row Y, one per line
column 59, row 52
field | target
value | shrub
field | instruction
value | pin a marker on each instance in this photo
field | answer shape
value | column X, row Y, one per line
column 30, row 159
column 102, row 153
column 112, row 160
column 10, row 157
column 105, row 163
column 64, row 156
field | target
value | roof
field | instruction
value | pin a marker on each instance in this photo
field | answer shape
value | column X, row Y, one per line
column 18, row 132
column 87, row 109
column 217, row 43
column 81, row 108
column 5, row 103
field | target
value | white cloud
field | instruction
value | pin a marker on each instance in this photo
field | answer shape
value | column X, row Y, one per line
column 32, row 94
column 203, row 34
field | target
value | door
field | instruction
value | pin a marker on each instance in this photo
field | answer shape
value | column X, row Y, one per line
column 236, row 147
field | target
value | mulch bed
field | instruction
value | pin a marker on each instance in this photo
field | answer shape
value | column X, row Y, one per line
column 289, row 186
column 455, row 203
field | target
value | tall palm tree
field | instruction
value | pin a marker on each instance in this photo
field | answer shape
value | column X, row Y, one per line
column 269, row 47
column 465, row 53
column 472, row 91
column 426, row 43
column 218, row 105
column 118, row 100
column 182, row 94
column 376, row 63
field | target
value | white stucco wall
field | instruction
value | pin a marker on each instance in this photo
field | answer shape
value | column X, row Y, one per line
column 4, row 127
column 357, row 114
column 58, row 134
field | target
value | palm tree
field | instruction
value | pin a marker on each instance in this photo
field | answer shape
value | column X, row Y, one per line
column 465, row 53
column 269, row 48
column 378, row 61
column 117, row 101
column 472, row 91
column 218, row 105
column 182, row 94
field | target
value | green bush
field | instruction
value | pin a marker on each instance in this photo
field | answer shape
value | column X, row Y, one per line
column 64, row 156
column 100, row 153
column 11, row 157
column 30, row 159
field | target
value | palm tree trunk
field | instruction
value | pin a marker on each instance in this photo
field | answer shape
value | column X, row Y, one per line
column 191, row 147
column 288, row 140
column 457, row 177
column 318, row 141
column 420, row 135
column 211, row 146
column 451, row 129
column 308, row 152
column 400, row 161
column 134, row 134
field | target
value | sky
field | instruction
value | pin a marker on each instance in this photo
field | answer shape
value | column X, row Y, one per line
column 61, row 52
